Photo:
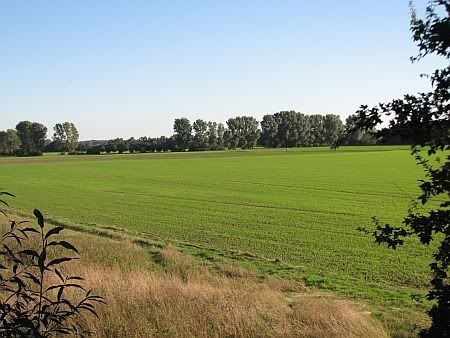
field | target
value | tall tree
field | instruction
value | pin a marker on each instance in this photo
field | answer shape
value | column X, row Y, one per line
column 212, row 135
column 32, row 137
column 9, row 142
column 220, row 136
column 183, row 133
column 359, row 136
column 249, row 133
column 303, row 128
column 231, row 135
column 200, row 140
column 269, row 131
column 332, row 128
column 66, row 136
column 316, row 131
column 242, row 132
column 287, row 128
column 424, row 119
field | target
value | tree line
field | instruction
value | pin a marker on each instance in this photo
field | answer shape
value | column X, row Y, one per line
column 283, row 129
column 30, row 139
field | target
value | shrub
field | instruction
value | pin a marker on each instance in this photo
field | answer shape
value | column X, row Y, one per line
column 33, row 290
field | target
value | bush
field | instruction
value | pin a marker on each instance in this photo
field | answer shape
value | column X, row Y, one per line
column 33, row 291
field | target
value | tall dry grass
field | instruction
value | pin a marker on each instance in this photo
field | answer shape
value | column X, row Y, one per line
column 171, row 294
column 185, row 298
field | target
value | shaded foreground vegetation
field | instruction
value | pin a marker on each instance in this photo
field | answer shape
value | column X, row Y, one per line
column 160, row 292
column 33, row 292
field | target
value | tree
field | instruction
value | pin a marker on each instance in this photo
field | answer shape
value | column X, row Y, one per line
column 269, row 131
column 95, row 149
column 212, row 135
column 249, row 133
column 317, row 130
column 32, row 137
column 220, row 136
column 424, row 119
column 200, row 140
column 183, row 134
column 242, row 132
column 359, row 136
column 231, row 135
column 332, row 128
column 111, row 146
column 287, row 129
column 9, row 142
column 66, row 136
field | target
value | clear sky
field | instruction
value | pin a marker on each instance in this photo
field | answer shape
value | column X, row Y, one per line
column 128, row 68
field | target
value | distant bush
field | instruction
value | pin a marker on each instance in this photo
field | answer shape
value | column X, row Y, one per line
column 95, row 150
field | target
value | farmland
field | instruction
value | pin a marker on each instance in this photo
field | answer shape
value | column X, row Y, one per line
column 292, row 213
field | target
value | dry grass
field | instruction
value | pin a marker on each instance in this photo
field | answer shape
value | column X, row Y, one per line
column 174, row 295
column 186, row 298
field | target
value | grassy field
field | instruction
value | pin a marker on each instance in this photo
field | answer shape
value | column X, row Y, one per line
column 292, row 213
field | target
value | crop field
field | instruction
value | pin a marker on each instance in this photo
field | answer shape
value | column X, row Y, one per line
column 293, row 213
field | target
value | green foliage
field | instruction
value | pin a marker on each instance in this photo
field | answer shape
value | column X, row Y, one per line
column 242, row 132
column 200, row 140
column 359, row 136
column 32, row 138
column 66, row 136
column 32, row 304
column 183, row 133
column 291, row 129
column 9, row 142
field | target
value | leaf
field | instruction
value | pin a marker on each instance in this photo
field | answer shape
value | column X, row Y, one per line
column 32, row 277
column 89, row 309
column 59, row 261
column 30, row 230
column 50, row 288
column 77, row 286
column 39, row 217
column 61, row 289
column 75, row 278
column 59, row 274
column 42, row 258
column 68, row 246
column 53, row 231
column 6, row 193
column 29, row 253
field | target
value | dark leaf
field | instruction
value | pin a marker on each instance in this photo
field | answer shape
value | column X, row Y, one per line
column 68, row 246
column 39, row 217
column 30, row 230
column 29, row 253
column 42, row 258
column 53, row 231
column 59, row 275
column 59, row 261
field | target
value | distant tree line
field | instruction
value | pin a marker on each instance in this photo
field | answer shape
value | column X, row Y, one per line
column 283, row 129
column 293, row 129
column 30, row 139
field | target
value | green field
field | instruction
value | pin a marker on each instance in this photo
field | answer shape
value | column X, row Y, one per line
column 291, row 212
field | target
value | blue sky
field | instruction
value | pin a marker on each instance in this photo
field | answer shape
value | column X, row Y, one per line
column 128, row 68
